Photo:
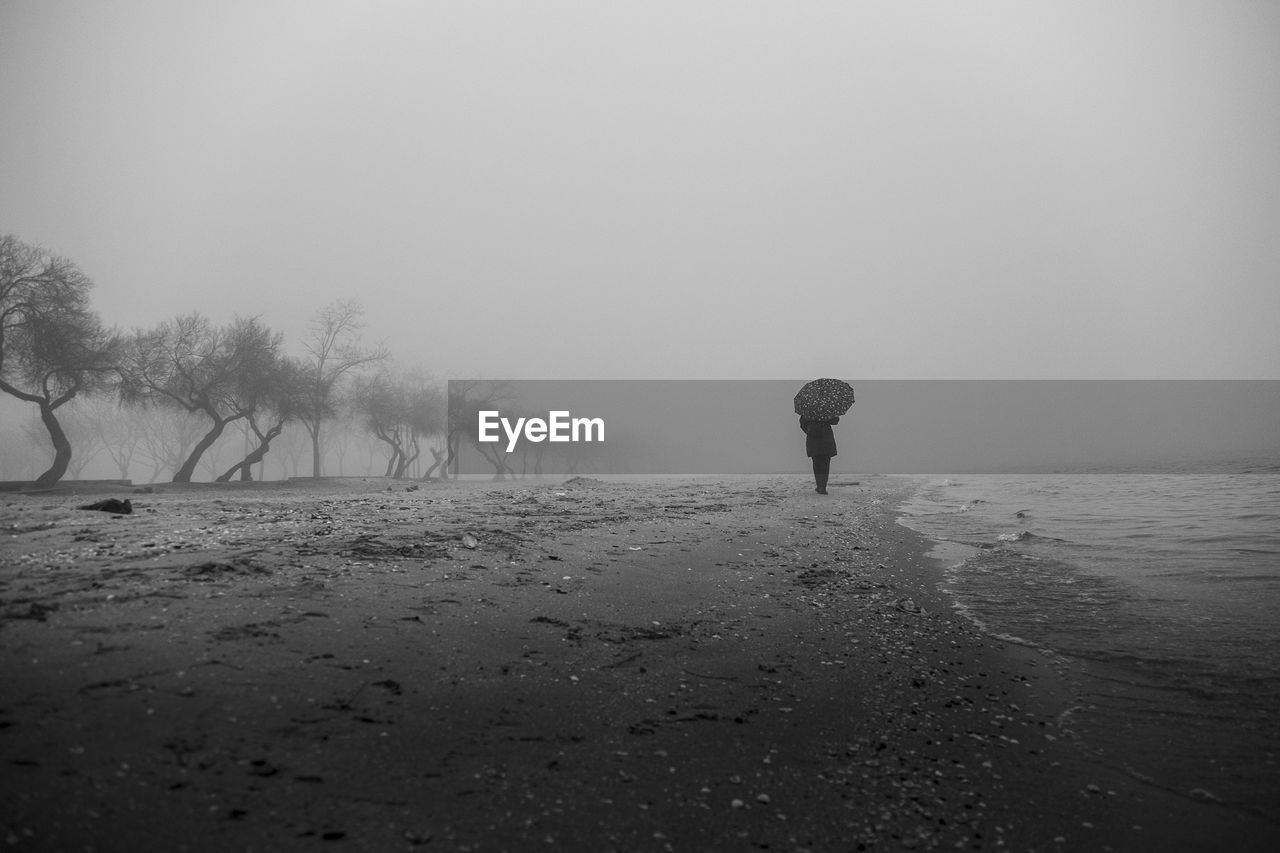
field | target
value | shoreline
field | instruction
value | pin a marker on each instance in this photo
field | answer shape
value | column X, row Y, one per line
column 1167, row 690
column 719, row 664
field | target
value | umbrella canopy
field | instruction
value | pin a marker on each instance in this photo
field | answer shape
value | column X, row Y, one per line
column 824, row 399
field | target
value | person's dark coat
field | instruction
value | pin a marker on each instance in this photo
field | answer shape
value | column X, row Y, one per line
column 820, row 440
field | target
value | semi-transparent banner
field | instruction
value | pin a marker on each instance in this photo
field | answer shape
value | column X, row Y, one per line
column 556, row 427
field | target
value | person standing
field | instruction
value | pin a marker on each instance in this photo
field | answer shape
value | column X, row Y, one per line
column 820, row 445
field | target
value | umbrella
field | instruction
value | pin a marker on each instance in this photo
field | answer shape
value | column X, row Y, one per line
column 824, row 399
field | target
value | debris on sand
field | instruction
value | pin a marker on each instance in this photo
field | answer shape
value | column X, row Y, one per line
column 583, row 482
column 36, row 610
column 113, row 505
column 232, row 566
column 906, row 605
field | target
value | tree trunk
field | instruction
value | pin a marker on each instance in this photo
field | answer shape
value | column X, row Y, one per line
column 61, row 448
column 188, row 468
column 245, row 465
column 245, row 474
column 439, row 463
column 451, row 444
column 392, row 441
column 500, row 468
column 314, row 429
column 408, row 456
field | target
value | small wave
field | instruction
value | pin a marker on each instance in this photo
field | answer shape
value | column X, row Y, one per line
column 1024, row 536
column 970, row 614
column 1004, row 636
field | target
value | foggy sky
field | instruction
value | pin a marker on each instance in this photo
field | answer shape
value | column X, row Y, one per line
column 671, row 189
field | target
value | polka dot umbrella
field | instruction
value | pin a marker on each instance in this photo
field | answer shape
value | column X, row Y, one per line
column 824, row 399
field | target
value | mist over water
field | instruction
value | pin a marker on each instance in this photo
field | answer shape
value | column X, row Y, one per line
column 748, row 426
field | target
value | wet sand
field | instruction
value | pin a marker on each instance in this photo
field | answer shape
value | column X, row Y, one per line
column 687, row 665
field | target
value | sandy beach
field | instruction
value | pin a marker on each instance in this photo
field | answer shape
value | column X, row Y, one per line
column 687, row 664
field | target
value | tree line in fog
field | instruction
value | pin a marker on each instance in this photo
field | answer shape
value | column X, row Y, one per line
column 171, row 393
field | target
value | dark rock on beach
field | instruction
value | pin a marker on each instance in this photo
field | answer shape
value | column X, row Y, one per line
column 112, row 505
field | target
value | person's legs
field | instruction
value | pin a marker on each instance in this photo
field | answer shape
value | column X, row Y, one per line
column 821, row 470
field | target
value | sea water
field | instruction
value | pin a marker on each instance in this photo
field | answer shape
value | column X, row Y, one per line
column 1161, row 594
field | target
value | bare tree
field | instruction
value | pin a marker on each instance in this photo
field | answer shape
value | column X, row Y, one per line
column 340, row 440
column 400, row 411
column 334, row 352
column 166, row 437
column 52, row 346
column 79, row 424
column 223, row 373
column 291, row 447
column 211, row 460
column 282, row 398
column 439, row 457
column 117, row 428
column 466, row 398
column 428, row 411
column 383, row 407
column 350, row 441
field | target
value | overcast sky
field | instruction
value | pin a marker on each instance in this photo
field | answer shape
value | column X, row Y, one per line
column 671, row 189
